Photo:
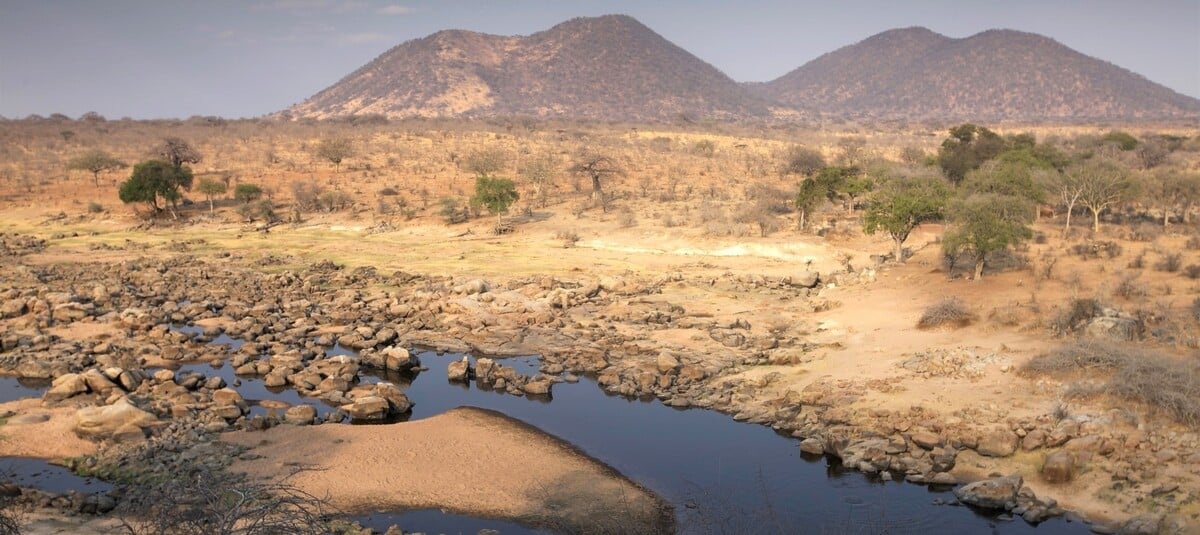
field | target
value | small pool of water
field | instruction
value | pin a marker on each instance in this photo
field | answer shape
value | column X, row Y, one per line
column 39, row 474
column 418, row 520
column 14, row 388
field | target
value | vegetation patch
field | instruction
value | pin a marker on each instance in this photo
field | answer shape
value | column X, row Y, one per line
column 949, row 312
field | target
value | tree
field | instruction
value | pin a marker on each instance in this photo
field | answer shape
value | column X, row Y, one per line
column 495, row 194
column 809, row 196
column 539, row 172
column 152, row 179
column 597, row 167
column 1169, row 188
column 1008, row 177
column 802, row 161
column 246, row 193
column 335, row 149
column 485, row 162
column 95, row 162
column 984, row 223
column 966, row 149
column 1123, row 140
column 211, row 187
column 1153, row 152
column 176, row 151
column 1067, row 187
column 902, row 205
column 1102, row 183
column 851, row 151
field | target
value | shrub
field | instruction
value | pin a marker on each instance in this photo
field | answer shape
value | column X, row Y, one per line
column 1138, row 261
column 246, row 193
column 334, row 201
column 1146, row 232
column 1078, row 312
column 568, row 237
column 626, row 219
column 1192, row 271
column 306, row 195
column 389, row 192
column 1130, row 288
column 1171, row 263
column 1159, row 381
column 451, row 212
column 1193, row 243
column 949, row 312
column 95, row 207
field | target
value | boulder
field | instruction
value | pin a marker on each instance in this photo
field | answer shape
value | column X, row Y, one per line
column 485, row 370
column 926, row 439
column 538, row 388
column 807, row 279
column 34, row 369
column 97, row 381
column 227, row 396
column 65, row 386
column 13, row 308
column 398, row 358
column 998, row 441
column 300, row 415
column 1059, row 467
column 119, row 418
column 812, row 446
column 368, row 408
column 995, row 493
column 398, row 402
column 667, row 363
column 1113, row 328
column 459, row 370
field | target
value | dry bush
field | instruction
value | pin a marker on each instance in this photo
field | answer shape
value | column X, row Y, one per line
column 1077, row 313
column 1171, row 263
column 949, row 312
column 569, row 238
column 1160, row 381
column 1007, row 315
column 1193, row 243
column 627, row 219
column 1192, row 271
column 1145, row 232
column 1129, row 287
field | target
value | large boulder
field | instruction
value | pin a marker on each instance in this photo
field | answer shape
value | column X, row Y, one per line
column 995, row 493
column 65, row 386
column 1113, row 328
column 459, row 370
column 1059, row 467
column 300, row 415
column 807, row 279
column 998, row 441
column 368, row 408
column 13, row 308
column 122, row 418
column 398, row 403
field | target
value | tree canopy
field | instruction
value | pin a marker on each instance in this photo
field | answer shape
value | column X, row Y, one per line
column 967, row 148
column 153, row 179
column 901, row 205
column 495, row 194
column 95, row 162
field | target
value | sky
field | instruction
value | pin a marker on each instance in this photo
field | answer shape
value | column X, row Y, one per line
column 178, row 58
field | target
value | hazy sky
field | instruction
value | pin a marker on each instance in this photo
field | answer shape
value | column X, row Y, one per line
column 177, row 58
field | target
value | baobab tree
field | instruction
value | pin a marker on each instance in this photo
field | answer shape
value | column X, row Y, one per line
column 597, row 167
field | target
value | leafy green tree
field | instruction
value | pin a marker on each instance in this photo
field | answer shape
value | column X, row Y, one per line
column 1009, row 177
column 211, row 187
column 966, row 149
column 1123, row 140
column 153, row 179
column 984, row 223
column 335, row 150
column 809, row 196
column 495, row 194
column 95, row 162
column 246, row 193
column 1102, row 183
column 901, row 205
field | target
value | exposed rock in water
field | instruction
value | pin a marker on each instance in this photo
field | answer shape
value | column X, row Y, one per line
column 119, row 420
column 459, row 370
column 996, row 493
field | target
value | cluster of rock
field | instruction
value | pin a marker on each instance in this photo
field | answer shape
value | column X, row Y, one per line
column 70, row 503
column 491, row 375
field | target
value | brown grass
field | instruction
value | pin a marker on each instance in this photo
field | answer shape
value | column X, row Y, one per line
column 949, row 312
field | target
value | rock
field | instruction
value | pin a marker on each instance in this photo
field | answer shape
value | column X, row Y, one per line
column 943, row 478
column 13, row 308
column 300, row 415
column 118, row 418
column 926, row 439
column 812, row 446
column 398, row 358
column 98, row 382
column 667, row 363
column 538, row 388
column 227, row 396
column 996, row 493
column 459, row 370
column 1033, row 440
column 1112, row 328
column 807, row 279
column 1059, row 467
column 368, row 408
column 164, row 376
column 1146, row 524
column 997, row 442
column 65, row 386
column 398, row 402
column 130, row 381
column 485, row 370
column 34, row 369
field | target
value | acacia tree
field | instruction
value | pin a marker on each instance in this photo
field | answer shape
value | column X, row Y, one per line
column 95, row 162
column 901, row 205
column 1102, row 183
column 597, row 167
column 485, row 162
column 801, row 160
column 966, row 149
column 495, row 194
column 1067, row 187
column 211, row 187
column 335, row 150
column 539, row 172
column 152, row 179
column 809, row 196
column 984, row 223
column 1169, row 188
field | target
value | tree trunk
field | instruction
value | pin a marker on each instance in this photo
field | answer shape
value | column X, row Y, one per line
column 1067, row 229
column 978, row 268
column 899, row 249
column 1095, row 220
column 803, row 217
column 1166, row 215
column 96, row 178
column 210, row 204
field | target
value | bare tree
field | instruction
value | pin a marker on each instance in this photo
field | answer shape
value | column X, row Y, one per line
column 1068, row 187
column 335, row 149
column 597, row 167
column 485, row 162
column 540, row 173
column 176, row 152
column 1103, row 183
column 802, row 161
column 1169, row 188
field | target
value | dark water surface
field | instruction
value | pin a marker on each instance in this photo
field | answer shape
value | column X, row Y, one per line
column 40, row 474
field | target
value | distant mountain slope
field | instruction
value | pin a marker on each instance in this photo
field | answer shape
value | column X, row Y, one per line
column 993, row 75
column 608, row 68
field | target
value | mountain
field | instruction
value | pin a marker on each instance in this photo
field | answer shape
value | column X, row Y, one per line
column 993, row 75
column 608, row 68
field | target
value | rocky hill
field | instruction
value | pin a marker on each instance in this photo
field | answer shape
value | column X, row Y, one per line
column 993, row 75
column 608, row 68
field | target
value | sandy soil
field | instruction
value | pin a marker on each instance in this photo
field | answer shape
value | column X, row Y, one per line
column 465, row 460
